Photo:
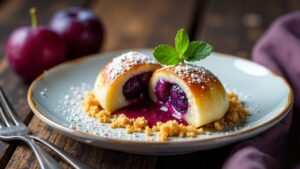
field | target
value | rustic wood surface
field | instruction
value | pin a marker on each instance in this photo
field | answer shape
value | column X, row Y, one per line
column 232, row 26
column 14, row 14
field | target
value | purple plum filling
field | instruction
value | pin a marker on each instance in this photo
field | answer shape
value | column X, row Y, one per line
column 168, row 92
column 162, row 90
column 152, row 112
column 136, row 88
column 172, row 103
column 178, row 98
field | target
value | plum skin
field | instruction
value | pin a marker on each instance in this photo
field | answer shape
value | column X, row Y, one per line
column 80, row 29
column 30, row 51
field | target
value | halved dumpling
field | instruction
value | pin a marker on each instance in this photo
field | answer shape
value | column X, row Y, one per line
column 194, row 93
column 124, row 80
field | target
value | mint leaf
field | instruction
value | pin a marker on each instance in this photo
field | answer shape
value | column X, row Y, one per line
column 181, row 42
column 197, row 50
column 166, row 55
column 183, row 51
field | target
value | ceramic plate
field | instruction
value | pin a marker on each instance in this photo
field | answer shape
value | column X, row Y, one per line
column 55, row 97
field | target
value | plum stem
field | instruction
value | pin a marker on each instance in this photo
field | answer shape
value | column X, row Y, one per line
column 33, row 14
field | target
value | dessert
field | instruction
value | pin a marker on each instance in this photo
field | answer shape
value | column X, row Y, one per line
column 124, row 80
column 233, row 116
column 191, row 92
column 170, row 96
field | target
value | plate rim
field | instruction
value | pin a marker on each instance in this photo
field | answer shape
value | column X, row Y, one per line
column 81, row 134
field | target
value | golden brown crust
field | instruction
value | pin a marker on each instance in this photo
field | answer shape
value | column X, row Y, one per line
column 208, row 81
column 111, row 79
column 104, row 73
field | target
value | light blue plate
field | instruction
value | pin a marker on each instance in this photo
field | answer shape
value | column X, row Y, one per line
column 55, row 97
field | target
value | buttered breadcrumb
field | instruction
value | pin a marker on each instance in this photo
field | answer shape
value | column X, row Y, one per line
column 131, row 125
column 91, row 105
column 92, row 108
column 235, row 114
column 173, row 128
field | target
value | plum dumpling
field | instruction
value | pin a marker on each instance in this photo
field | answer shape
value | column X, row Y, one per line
column 124, row 80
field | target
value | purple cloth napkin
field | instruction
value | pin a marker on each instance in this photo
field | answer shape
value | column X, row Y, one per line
column 279, row 50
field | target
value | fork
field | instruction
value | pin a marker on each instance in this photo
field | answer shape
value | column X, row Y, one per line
column 12, row 128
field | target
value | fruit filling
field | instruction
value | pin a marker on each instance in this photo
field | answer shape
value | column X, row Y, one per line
column 151, row 117
column 172, row 101
column 136, row 88
column 178, row 98
column 169, row 93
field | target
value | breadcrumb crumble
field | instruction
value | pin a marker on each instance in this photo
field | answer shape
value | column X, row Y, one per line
column 235, row 114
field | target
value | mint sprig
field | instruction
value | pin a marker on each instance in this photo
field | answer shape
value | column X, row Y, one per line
column 166, row 54
column 181, row 42
column 184, row 50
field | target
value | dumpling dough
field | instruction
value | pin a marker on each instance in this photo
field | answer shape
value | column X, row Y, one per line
column 206, row 96
column 109, row 84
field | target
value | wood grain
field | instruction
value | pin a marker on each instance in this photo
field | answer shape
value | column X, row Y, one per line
column 129, row 24
column 140, row 23
column 234, row 26
column 95, row 157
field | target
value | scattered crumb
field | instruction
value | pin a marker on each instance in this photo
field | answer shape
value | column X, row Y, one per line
column 148, row 131
column 103, row 116
column 89, row 102
column 131, row 125
column 92, row 108
column 173, row 128
column 235, row 114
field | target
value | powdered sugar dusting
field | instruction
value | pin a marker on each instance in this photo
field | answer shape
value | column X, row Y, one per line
column 70, row 107
column 125, row 62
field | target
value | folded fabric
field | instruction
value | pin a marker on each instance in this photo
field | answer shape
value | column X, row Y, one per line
column 279, row 50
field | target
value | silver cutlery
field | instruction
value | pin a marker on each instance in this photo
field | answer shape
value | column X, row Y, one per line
column 12, row 128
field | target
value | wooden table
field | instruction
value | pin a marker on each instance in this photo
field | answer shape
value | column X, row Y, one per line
column 232, row 26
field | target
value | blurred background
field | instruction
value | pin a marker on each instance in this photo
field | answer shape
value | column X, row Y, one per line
column 232, row 26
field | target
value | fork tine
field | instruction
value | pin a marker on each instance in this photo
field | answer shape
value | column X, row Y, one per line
column 9, row 109
column 3, row 117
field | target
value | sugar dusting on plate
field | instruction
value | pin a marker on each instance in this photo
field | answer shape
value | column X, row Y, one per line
column 70, row 107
